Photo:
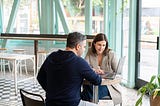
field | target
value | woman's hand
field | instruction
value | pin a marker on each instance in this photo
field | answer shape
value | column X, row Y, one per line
column 99, row 71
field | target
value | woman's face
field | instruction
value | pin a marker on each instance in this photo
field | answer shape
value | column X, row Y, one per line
column 100, row 46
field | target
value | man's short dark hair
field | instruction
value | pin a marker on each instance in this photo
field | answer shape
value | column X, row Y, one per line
column 74, row 38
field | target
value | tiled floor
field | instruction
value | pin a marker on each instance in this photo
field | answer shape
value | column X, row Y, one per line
column 7, row 91
column 8, row 97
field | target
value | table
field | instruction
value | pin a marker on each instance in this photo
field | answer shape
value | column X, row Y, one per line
column 15, row 58
column 36, row 37
column 104, row 82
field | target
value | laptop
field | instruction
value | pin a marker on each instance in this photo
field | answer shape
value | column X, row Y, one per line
column 109, row 75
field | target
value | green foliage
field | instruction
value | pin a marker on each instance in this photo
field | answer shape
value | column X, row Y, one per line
column 98, row 3
column 122, row 8
column 151, row 88
column 79, row 5
column 76, row 7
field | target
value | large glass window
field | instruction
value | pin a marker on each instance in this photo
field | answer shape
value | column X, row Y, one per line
column 7, row 6
column 125, row 39
column 26, row 18
column 76, row 16
column 98, row 19
column 74, row 10
column 148, row 42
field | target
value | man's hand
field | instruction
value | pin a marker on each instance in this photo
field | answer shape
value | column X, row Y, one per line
column 99, row 71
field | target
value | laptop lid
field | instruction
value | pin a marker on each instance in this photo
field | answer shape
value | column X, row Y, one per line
column 109, row 75
column 120, row 65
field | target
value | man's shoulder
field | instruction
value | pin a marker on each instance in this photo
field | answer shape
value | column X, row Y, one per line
column 81, row 60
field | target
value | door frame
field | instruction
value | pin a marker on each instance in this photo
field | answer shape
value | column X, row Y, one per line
column 138, row 82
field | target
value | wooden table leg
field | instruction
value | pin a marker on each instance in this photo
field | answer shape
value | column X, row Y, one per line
column 35, row 53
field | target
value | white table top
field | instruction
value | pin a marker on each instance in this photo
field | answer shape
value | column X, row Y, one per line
column 10, row 56
column 106, row 81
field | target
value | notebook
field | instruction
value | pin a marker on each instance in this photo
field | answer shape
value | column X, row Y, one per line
column 109, row 75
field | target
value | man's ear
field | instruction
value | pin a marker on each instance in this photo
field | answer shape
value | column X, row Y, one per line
column 77, row 46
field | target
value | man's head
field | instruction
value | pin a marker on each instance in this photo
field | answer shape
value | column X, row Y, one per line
column 77, row 42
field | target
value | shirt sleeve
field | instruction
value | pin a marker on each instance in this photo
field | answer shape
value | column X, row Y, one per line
column 90, row 75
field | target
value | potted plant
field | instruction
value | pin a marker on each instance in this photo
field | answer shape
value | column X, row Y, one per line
column 152, row 88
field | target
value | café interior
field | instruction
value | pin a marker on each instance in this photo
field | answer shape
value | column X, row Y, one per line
column 32, row 29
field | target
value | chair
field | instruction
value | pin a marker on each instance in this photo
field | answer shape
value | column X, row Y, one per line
column 31, row 99
column 119, row 72
column 21, row 63
column 4, row 63
column 41, row 56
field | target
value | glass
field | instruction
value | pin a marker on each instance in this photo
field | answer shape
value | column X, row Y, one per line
column 125, row 38
column 150, row 21
column 26, row 19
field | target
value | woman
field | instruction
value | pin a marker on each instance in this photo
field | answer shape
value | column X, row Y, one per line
column 101, row 59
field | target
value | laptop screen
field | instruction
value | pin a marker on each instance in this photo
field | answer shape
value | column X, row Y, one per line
column 109, row 75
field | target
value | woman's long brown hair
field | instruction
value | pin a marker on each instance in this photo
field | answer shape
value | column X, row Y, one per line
column 100, row 37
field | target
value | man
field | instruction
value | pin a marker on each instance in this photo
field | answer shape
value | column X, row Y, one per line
column 63, row 72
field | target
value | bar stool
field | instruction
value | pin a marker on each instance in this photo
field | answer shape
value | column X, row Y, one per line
column 4, row 63
column 41, row 56
column 21, row 63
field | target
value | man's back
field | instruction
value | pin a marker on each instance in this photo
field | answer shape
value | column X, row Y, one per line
column 61, row 76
